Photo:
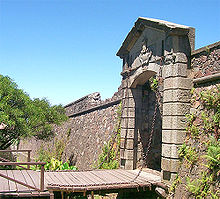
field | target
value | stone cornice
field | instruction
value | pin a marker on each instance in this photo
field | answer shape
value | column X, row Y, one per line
column 142, row 23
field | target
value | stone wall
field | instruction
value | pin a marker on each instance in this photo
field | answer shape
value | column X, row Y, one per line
column 91, row 124
column 205, row 61
column 205, row 72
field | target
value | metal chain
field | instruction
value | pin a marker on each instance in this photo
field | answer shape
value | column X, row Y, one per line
column 151, row 133
column 145, row 155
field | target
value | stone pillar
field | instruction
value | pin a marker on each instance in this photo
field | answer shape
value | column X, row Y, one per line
column 176, row 104
column 127, row 127
column 128, row 147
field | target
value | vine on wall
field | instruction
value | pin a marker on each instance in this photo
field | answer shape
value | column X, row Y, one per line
column 200, row 154
column 110, row 155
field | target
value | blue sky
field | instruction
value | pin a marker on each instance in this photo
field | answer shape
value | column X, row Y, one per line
column 65, row 49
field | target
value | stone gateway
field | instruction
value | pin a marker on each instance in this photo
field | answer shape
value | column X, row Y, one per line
column 160, row 67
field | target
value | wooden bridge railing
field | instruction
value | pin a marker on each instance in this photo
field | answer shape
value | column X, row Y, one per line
column 18, row 150
column 26, row 163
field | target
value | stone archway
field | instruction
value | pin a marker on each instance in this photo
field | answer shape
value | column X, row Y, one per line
column 137, row 115
column 149, row 43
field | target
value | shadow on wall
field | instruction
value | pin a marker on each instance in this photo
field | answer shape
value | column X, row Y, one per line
column 148, row 137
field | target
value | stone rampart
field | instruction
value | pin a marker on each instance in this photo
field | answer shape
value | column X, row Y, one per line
column 91, row 123
column 205, row 72
column 205, row 63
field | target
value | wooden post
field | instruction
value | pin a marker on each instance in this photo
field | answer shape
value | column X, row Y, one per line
column 51, row 195
column 28, row 159
column 42, row 178
column 92, row 194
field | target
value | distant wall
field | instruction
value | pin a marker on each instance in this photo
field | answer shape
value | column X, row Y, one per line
column 205, row 62
column 91, row 123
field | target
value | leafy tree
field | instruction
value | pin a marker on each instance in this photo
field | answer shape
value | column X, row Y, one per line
column 20, row 116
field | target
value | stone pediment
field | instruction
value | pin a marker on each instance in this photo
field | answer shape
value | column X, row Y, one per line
column 157, row 25
column 150, row 44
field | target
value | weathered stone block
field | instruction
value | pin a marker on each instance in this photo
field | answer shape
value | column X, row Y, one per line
column 122, row 143
column 129, row 133
column 129, row 154
column 177, row 95
column 181, row 58
column 128, row 123
column 171, row 165
column 123, row 133
column 126, row 144
column 168, row 177
column 173, row 176
column 139, row 155
column 176, row 108
column 128, row 112
column 174, row 122
column 130, row 144
column 132, row 93
column 170, row 150
column 122, row 153
column 128, row 102
column 175, row 70
column 129, row 164
column 173, row 136
column 178, row 82
column 124, row 84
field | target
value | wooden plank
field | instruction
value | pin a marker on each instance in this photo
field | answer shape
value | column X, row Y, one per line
column 116, row 179
column 55, row 180
column 15, row 150
column 61, row 176
column 92, row 177
column 35, row 176
column 140, row 180
column 103, row 178
column 106, row 177
column 149, row 176
column 79, row 180
column 120, row 176
column 32, row 175
column 72, row 179
column 47, row 179
column 18, row 180
column 28, row 179
column 110, row 178
column 122, row 173
column 140, row 175
column 18, row 176
column 83, row 178
column 4, row 184
column 21, row 163
column 66, row 177
column 12, row 185
column 132, row 176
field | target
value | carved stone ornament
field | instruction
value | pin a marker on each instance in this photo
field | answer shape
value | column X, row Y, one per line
column 145, row 55
column 169, row 59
